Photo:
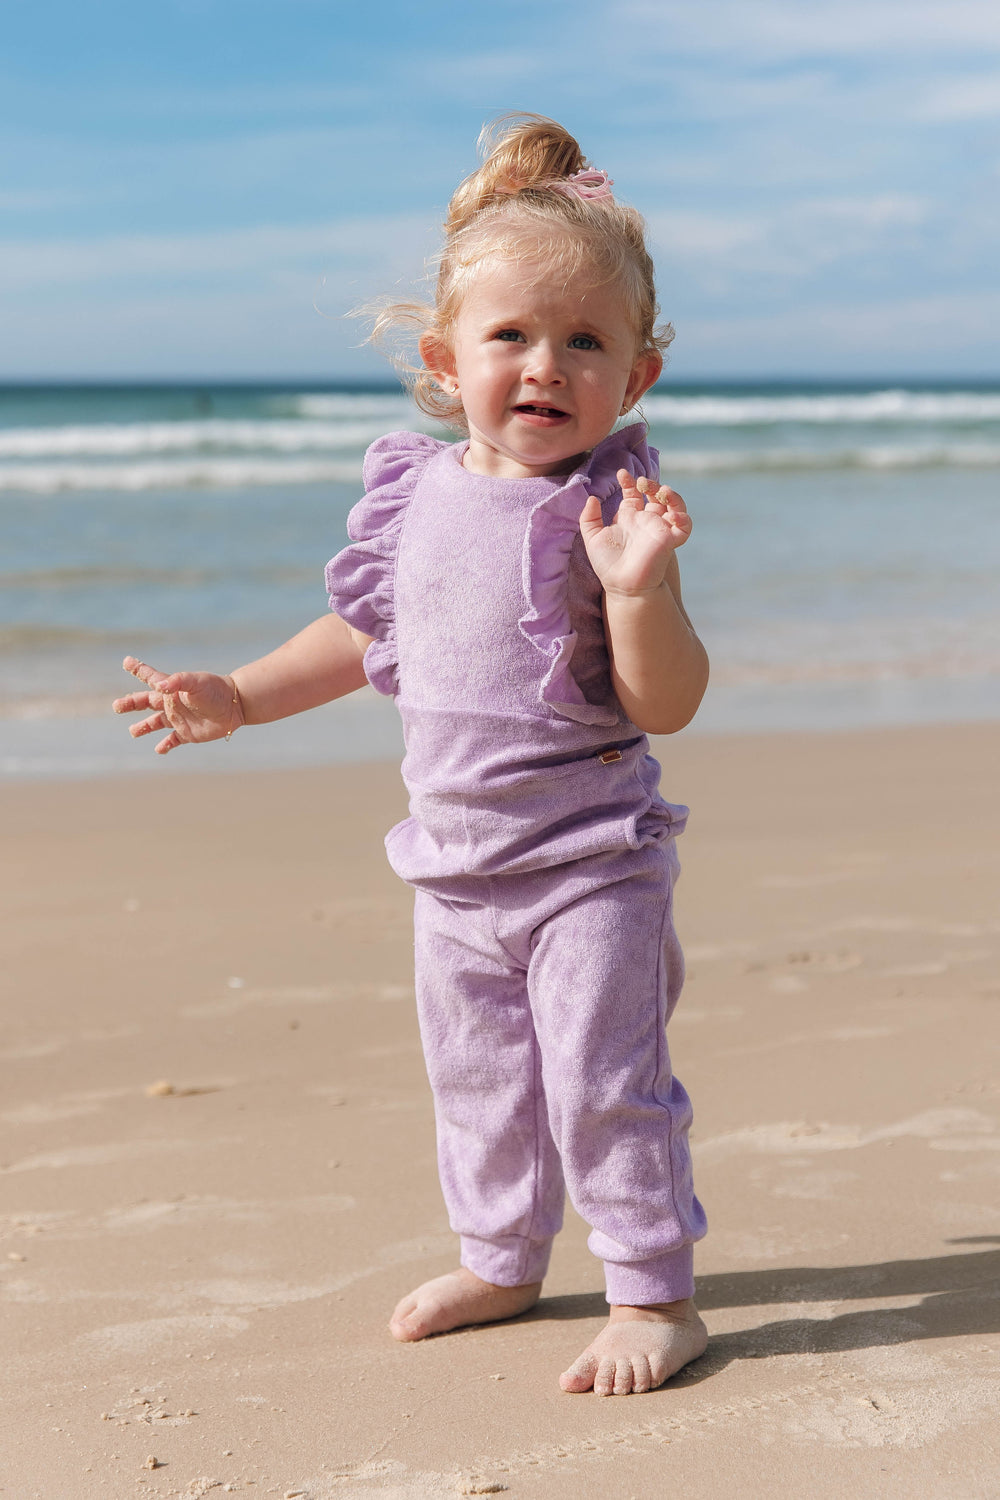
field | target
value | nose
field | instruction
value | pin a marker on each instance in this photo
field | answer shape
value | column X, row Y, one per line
column 542, row 367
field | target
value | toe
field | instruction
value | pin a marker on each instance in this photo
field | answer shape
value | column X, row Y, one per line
column 580, row 1375
column 604, row 1380
column 642, row 1375
column 623, row 1378
column 408, row 1330
column 404, row 1324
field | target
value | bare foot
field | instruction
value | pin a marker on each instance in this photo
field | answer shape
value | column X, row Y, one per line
column 455, row 1300
column 639, row 1349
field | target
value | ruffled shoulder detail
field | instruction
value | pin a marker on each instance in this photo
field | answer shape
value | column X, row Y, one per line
column 360, row 580
column 553, row 527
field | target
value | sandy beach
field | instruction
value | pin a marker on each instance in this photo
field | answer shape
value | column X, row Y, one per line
column 218, row 1167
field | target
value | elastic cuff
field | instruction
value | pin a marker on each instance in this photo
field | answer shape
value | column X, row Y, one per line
column 668, row 1278
column 509, row 1260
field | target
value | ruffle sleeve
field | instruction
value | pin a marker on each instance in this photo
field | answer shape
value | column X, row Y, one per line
column 360, row 579
column 552, row 529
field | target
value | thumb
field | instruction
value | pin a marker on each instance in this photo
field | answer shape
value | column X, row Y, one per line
column 591, row 517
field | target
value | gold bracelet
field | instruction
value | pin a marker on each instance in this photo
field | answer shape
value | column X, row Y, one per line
column 239, row 704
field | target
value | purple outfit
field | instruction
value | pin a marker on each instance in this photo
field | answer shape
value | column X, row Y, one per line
column 543, row 857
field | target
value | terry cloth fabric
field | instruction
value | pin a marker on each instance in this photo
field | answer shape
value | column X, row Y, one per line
column 488, row 631
column 543, row 856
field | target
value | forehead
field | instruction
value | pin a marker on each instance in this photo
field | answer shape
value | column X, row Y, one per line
column 531, row 286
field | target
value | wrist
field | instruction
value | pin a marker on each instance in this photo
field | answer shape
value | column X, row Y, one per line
column 238, row 716
column 655, row 591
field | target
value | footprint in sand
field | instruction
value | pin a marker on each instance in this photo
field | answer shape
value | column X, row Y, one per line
column 928, row 969
column 800, row 964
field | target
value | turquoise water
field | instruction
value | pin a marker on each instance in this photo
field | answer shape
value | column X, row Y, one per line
column 842, row 569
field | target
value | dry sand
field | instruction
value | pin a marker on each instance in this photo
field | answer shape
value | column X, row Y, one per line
column 198, row 1274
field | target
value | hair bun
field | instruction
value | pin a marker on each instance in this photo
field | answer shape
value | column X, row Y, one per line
column 520, row 151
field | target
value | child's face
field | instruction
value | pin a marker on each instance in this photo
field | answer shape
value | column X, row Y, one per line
column 542, row 370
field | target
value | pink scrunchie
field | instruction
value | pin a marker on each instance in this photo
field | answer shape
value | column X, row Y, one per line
column 590, row 184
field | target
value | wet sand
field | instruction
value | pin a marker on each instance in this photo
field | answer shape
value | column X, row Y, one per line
column 218, row 1156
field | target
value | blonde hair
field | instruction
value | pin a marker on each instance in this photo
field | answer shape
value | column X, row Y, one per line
column 513, row 206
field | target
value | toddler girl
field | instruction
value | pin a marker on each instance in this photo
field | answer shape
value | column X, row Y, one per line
column 518, row 594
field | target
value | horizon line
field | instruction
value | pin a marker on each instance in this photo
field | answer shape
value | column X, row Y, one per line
column 389, row 384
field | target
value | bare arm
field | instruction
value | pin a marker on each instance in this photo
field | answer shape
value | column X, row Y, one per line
column 321, row 663
column 659, row 666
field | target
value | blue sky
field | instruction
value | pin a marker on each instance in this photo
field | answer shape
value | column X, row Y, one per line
column 181, row 183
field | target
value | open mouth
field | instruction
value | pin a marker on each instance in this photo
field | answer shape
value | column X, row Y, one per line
column 531, row 410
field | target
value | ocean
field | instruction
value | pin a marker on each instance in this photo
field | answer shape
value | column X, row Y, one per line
column 842, row 571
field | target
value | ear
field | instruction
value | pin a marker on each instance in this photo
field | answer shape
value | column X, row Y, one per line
column 645, row 372
column 439, row 362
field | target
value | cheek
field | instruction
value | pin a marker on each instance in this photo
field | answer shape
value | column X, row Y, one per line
column 604, row 388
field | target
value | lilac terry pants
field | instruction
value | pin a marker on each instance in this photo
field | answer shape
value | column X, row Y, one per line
column 543, row 1000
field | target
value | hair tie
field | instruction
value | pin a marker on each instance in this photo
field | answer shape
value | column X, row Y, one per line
column 591, row 184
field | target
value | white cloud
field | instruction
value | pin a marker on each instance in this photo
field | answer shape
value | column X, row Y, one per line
column 271, row 331
column 779, row 30
column 790, row 155
column 792, row 239
column 974, row 97
column 396, row 245
column 950, row 332
column 263, row 299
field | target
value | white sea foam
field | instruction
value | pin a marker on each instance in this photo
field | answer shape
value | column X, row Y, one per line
column 869, row 406
column 733, row 410
column 166, row 474
column 290, row 439
column 322, row 423
column 207, row 471
column 390, row 408
column 875, row 456
column 125, row 439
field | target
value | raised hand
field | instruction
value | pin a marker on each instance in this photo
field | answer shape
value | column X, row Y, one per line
column 633, row 554
column 194, row 707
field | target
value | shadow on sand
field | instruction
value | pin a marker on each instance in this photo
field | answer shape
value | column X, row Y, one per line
column 960, row 1296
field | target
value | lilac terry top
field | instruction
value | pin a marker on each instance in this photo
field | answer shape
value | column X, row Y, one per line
column 488, row 632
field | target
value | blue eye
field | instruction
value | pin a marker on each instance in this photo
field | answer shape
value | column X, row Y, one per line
column 583, row 341
column 509, row 335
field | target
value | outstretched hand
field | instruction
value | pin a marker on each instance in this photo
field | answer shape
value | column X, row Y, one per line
column 633, row 553
column 194, row 707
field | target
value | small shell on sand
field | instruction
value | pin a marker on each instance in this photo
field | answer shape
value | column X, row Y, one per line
column 161, row 1089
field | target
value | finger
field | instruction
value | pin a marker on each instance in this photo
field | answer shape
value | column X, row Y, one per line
column 630, row 487
column 134, row 703
column 179, row 682
column 678, row 520
column 592, row 517
column 171, row 742
column 148, row 726
column 143, row 671
column 663, row 495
